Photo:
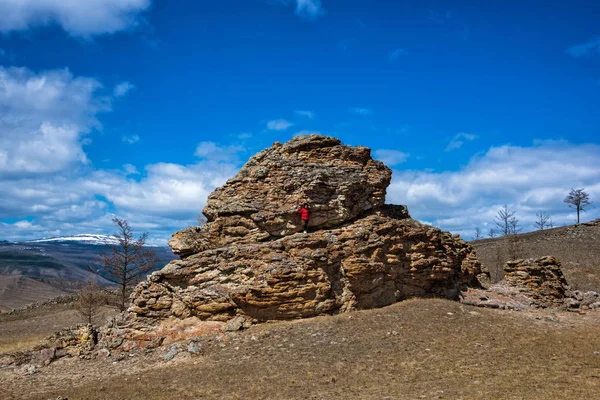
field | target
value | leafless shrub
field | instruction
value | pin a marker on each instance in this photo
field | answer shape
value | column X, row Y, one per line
column 126, row 263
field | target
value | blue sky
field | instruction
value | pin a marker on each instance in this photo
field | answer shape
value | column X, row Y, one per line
column 140, row 108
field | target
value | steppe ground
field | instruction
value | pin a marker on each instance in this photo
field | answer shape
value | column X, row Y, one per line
column 429, row 349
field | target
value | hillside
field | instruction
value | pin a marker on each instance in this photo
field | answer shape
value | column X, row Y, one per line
column 37, row 271
column 431, row 349
column 18, row 290
column 576, row 246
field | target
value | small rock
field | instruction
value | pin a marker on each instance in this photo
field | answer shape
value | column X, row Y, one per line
column 572, row 303
column 195, row 348
column 171, row 353
column 577, row 295
column 46, row 356
column 234, row 324
column 589, row 298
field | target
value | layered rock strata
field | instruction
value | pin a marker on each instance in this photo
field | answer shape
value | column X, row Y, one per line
column 249, row 259
column 260, row 203
column 532, row 283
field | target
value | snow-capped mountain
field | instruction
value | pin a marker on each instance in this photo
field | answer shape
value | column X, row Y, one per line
column 83, row 238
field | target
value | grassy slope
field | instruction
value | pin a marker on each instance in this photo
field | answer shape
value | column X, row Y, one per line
column 25, row 329
column 577, row 247
column 414, row 349
column 17, row 291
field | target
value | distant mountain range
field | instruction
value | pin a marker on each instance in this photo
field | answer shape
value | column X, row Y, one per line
column 83, row 238
column 58, row 265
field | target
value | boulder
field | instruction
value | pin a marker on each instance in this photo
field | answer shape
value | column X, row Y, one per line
column 532, row 283
column 541, row 279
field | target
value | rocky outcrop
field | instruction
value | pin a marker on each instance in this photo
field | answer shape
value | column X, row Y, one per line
column 249, row 259
column 542, row 279
column 532, row 283
column 251, row 263
column 260, row 203
column 372, row 262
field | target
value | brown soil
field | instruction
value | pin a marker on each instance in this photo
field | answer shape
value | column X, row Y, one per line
column 431, row 349
column 576, row 246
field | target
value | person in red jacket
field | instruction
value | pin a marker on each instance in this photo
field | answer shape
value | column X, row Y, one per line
column 304, row 212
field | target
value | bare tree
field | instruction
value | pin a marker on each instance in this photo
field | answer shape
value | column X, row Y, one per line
column 91, row 299
column 478, row 234
column 503, row 219
column 514, row 226
column 550, row 224
column 492, row 233
column 126, row 263
column 578, row 199
column 542, row 220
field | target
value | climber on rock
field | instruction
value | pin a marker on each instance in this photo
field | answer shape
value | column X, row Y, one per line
column 304, row 212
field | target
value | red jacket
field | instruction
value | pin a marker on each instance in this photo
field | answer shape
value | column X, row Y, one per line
column 304, row 213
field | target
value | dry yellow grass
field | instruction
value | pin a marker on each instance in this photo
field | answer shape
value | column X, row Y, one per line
column 9, row 345
column 24, row 330
column 434, row 349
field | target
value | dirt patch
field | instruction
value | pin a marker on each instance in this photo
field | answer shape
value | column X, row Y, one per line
column 414, row 349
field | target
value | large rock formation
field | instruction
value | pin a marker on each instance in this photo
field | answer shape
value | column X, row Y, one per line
column 248, row 259
column 260, row 203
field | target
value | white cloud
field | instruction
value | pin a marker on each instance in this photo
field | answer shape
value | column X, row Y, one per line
column 130, row 139
column 76, row 17
column 23, row 224
column 528, row 179
column 458, row 140
column 44, row 118
column 165, row 198
column 49, row 187
column 310, row 9
column 396, row 54
column 390, row 157
column 306, row 113
column 212, row 151
column 169, row 190
column 278, row 125
column 122, row 89
column 360, row 111
column 585, row 49
column 130, row 169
